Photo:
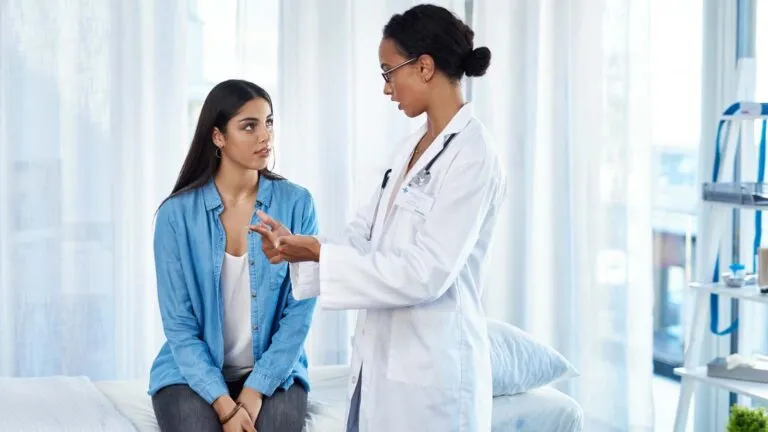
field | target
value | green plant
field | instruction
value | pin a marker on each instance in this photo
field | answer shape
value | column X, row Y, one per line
column 743, row 419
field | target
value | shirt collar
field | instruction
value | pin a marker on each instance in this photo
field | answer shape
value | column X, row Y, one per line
column 213, row 199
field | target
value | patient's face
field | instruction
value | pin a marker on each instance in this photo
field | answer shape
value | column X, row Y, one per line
column 406, row 86
column 248, row 137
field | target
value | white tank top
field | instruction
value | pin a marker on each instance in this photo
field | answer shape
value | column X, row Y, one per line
column 236, row 295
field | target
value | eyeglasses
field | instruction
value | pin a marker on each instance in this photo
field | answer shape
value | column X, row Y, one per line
column 387, row 72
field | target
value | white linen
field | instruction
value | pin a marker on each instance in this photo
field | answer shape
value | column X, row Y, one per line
column 520, row 362
column 57, row 404
column 541, row 410
column 133, row 402
column 76, row 404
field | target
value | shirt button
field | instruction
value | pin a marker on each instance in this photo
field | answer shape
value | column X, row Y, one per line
column 253, row 294
column 250, row 262
column 255, row 327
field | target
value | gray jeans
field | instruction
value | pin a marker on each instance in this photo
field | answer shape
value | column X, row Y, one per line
column 178, row 408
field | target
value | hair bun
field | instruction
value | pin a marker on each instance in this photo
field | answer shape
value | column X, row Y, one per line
column 476, row 62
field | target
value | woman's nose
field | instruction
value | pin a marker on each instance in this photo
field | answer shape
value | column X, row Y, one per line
column 262, row 134
column 387, row 89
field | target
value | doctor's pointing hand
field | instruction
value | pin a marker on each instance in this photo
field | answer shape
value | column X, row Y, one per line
column 412, row 259
column 280, row 245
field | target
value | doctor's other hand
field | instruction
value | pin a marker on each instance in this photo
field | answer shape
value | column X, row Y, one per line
column 270, row 230
column 298, row 248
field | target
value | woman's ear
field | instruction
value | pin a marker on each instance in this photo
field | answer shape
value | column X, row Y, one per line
column 218, row 138
column 426, row 67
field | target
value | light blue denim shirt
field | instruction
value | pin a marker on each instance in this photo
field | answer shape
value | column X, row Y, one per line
column 189, row 252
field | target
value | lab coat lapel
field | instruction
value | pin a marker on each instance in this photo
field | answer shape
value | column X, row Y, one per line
column 456, row 125
column 432, row 150
column 401, row 164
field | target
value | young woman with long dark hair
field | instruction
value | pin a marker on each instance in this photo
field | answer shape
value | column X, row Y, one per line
column 234, row 357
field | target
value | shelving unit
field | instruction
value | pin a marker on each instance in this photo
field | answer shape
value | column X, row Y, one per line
column 737, row 185
column 693, row 372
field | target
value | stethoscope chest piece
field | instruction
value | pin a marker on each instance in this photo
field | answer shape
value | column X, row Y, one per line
column 421, row 178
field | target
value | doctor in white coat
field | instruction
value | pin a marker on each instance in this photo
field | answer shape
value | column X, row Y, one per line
column 413, row 259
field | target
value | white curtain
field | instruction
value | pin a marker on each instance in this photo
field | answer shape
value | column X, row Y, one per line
column 567, row 98
column 93, row 128
column 92, row 133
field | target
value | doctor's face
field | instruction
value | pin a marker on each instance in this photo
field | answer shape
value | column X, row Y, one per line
column 404, row 82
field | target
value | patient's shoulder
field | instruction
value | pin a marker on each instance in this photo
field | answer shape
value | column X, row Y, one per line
column 290, row 193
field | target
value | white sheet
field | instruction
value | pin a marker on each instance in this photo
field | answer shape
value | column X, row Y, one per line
column 57, row 404
column 133, row 402
column 541, row 410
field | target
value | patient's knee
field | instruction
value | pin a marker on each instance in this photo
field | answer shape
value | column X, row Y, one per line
column 284, row 411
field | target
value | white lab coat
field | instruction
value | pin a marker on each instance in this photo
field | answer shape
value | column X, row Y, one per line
column 421, row 336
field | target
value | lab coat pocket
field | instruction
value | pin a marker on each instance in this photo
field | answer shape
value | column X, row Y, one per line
column 424, row 347
column 415, row 201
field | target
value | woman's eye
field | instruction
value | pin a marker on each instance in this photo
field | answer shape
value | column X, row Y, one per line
column 249, row 127
column 270, row 123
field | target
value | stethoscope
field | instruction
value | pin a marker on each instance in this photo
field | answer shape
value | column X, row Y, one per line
column 421, row 179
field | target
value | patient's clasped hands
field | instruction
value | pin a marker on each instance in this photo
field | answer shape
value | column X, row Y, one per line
column 279, row 244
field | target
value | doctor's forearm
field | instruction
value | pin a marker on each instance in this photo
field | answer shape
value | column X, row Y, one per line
column 350, row 280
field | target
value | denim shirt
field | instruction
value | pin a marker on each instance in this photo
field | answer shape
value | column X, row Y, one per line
column 189, row 249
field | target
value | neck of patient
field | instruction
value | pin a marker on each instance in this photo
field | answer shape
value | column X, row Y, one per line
column 236, row 183
column 442, row 108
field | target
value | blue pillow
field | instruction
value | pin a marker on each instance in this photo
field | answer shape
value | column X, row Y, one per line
column 520, row 363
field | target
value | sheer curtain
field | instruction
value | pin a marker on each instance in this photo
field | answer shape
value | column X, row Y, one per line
column 567, row 100
column 92, row 132
column 93, row 129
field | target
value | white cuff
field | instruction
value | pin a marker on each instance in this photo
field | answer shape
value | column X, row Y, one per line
column 305, row 278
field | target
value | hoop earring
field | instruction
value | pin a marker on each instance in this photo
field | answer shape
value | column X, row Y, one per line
column 217, row 152
column 274, row 161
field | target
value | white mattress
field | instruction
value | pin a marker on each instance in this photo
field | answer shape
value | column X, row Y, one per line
column 541, row 410
column 57, row 403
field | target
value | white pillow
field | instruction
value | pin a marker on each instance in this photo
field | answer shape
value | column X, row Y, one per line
column 520, row 363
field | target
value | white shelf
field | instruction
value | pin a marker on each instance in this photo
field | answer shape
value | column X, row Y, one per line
column 737, row 206
column 747, row 388
column 740, row 195
column 750, row 293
